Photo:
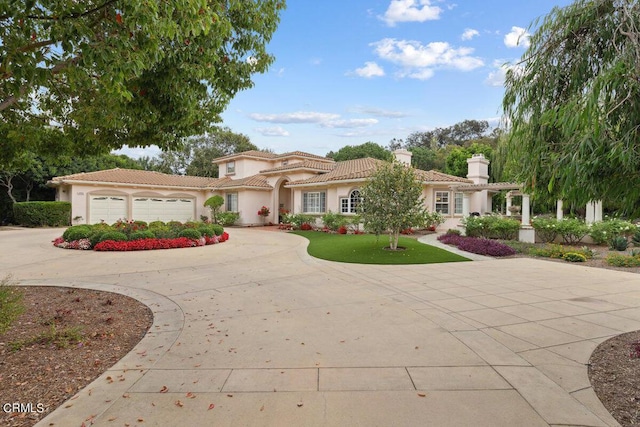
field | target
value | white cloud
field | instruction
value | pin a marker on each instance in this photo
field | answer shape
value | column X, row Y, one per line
column 410, row 11
column 420, row 60
column 497, row 76
column 380, row 113
column 370, row 69
column 349, row 124
column 469, row 33
column 274, row 131
column 518, row 37
column 296, row 117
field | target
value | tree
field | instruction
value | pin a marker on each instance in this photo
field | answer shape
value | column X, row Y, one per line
column 391, row 201
column 572, row 105
column 458, row 134
column 90, row 76
column 214, row 203
column 368, row 149
column 196, row 153
column 456, row 161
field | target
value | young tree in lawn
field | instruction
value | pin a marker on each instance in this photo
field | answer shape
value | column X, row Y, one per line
column 572, row 105
column 391, row 201
column 101, row 74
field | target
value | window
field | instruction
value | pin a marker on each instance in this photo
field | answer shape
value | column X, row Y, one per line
column 232, row 202
column 442, row 202
column 314, row 202
column 350, row 204
column 457, row 203
column 231, row 167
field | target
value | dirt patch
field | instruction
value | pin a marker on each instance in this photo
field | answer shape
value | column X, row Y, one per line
column 64, row 340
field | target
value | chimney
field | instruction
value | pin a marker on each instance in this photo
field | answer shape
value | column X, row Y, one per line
column 403, row 156
column 478, row 169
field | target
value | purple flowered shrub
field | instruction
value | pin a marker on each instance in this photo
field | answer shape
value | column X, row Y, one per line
column 477, row 245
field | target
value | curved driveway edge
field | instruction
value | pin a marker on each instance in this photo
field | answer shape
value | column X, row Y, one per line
column 272, row 336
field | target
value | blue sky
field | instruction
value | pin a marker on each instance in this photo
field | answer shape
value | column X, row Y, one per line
column 348, row 72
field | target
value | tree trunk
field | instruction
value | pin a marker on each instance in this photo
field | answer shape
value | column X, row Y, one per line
column 7, row 182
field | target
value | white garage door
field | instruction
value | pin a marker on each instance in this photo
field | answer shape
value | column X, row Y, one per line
column 107, row 209
column 163, row 209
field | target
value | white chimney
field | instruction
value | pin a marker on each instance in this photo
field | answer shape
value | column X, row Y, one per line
column 478, row 169
column 403, row 156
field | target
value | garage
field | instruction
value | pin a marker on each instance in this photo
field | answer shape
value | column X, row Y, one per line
column 163, row 209
column 108, row 209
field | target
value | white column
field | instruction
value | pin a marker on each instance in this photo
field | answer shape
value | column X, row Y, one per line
column 591, row 213
column 465, row 205
column 508, row 203
column 559, row 213
column 526, row 210
column 597, row 215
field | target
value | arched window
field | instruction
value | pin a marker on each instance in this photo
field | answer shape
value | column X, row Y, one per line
column 350, row 204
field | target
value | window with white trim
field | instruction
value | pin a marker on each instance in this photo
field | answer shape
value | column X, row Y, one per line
column 442, row 202
column 314, row 202
column 231, row 167
column 232, row 202
column 457, row 203
column 350, row 204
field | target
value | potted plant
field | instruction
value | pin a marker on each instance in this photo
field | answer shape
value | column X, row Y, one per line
column 264, row 213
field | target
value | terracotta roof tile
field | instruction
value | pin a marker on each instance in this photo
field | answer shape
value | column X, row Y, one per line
column 141, row 177
column 254, row 181
column 307, row 164
column 271, row 156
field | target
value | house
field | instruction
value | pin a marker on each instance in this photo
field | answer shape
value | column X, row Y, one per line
column 295, row 182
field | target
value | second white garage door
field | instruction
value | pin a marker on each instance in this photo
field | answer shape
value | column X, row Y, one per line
column 163, row 209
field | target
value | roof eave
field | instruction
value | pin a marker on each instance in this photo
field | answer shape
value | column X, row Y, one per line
column 125, row 184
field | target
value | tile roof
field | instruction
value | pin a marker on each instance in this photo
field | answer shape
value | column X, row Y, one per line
column 364, row 168
column 141, row 177
column 254, row 181
column 307, row 164
column 272, row 156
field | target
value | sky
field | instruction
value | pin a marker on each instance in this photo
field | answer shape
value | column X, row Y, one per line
column 349, row 72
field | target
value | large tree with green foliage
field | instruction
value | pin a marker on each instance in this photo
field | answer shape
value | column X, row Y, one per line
column 391, row 201
column 90, row 76
column 572, row 105
column 368, row 149
column 195, row 154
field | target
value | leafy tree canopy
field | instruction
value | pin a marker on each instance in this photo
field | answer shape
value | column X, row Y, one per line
column 90, row 76
column 456, row 161
column 458, row 134
column 391, row 201
column 196, row 153
column 572, row 105
column 368, row 149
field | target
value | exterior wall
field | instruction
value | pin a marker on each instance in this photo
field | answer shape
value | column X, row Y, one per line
column 79, row 196
column 245, row 168
column 250, row 202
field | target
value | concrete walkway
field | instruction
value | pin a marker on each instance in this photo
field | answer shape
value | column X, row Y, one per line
column 256, row 332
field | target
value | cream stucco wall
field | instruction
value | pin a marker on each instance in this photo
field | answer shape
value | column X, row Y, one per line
column 79, row 196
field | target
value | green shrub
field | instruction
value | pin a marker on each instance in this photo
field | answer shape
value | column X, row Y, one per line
column 298, row 220
column 217, row 229
column 333, row 221
column 11, row 305
column 77, row 232
column 227, row 218
column 164, row 232
column 42, row 214
column 117, row 236
column 605, row 231
column 492, row 227
column 453, row 231
column 636, row 238
column 619, row 260
column 190, row 233
column 156, row 224
column 142, row 234
column 520, row 247
column 619, row 243
column 559, row 251
column 174, row 224
column 572, row 230
column 432, row 219
column 546, row 228
column 574, row 257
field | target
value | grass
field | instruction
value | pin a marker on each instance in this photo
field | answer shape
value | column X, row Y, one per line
column 10, row 304
column 368, row 249
column 60, row 338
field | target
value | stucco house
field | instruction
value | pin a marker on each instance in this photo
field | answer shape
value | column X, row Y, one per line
column 297, row 182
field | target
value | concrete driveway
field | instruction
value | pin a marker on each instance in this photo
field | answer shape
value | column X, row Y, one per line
column 262, row 334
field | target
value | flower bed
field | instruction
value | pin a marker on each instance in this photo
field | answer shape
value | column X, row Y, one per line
column 138, row 236
column 477, row 245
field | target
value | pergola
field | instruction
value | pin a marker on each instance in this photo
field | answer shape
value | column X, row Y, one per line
column 527, row 234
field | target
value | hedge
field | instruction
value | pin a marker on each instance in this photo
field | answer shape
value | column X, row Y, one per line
column 42, row 214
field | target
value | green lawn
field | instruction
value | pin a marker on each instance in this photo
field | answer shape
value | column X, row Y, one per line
column 367, row 249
